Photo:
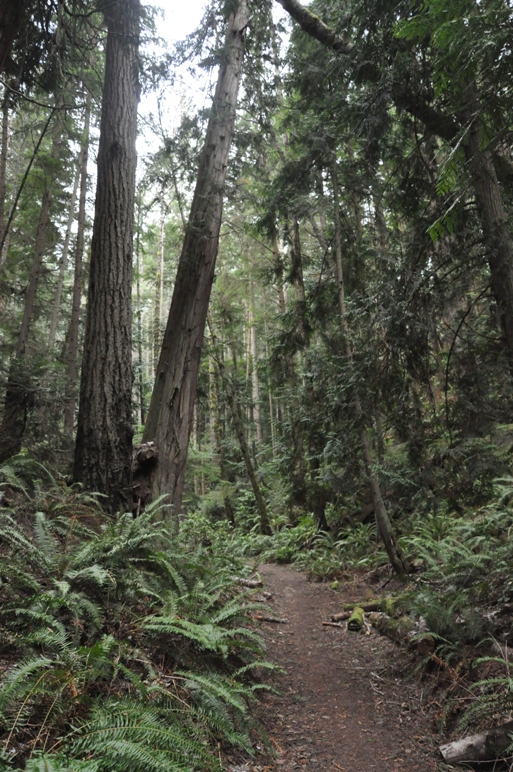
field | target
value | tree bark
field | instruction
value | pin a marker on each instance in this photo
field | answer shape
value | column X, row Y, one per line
column 72, row 349
column 169, row 418
column 103, row 453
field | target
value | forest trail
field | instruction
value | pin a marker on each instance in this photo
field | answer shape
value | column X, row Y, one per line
column 342, row 704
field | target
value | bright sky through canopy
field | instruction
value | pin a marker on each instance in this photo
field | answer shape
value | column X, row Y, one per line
column 181, row 18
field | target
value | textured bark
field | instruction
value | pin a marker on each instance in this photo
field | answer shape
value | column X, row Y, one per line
column 169, row 419
column 103, row 451
column 76, row 300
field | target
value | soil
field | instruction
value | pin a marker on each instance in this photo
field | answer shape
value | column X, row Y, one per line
column 344, row 703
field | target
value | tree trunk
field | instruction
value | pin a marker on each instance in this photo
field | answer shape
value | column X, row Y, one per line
column 494, row 223
column 255, row 383
column 18, row 394
column 265, row 526
column 315, row 27
column 72, row 348
column 140, row 380
column 216, row 431
column 383, row 523
column 64, row 258
column 158, row 306
column 103, row 453
column 170, row 414
column 3, row 159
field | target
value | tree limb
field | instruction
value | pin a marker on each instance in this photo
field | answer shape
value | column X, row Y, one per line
column 442, row 125
column 315, row 27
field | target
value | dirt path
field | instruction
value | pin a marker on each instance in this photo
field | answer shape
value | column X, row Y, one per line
column 342, row 706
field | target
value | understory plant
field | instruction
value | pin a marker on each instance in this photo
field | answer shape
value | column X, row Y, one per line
column 119, row 648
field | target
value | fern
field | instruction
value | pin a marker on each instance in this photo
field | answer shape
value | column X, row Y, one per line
column 100, row 613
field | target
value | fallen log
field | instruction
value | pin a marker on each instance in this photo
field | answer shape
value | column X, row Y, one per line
column 332, row 624
column 486, row 746
column 367, row 605
column 341, row 617
column 251, row 583
column 278, row 621
column 396, row 629
column 355, row 621
column 405, row 630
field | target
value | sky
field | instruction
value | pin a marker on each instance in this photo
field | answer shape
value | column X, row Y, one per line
column 181, row 18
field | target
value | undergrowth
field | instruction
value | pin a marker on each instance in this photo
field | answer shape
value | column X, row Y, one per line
column 120, row 648
column 459, row 594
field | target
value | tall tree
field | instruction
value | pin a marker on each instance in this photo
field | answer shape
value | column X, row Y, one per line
column 76, row 295
column 170, row 414
column 104, row 434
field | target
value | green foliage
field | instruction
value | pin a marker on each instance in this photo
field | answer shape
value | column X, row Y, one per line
column 124, row 650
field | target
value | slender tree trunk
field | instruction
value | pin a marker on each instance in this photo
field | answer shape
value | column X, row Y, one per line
column 217, row 437
column 278, row 272
column 255, row 384
column 158, row 307
column 64, row 258
column 298, row 461
column 494, row 222
column 140, row 380
column 272, row 423
column 296, row 277
column 265, row 526
column 18, row 394
column 103, row 452
column 171, row 408
column 76, row 299
column 383, row 523
column 3, row 159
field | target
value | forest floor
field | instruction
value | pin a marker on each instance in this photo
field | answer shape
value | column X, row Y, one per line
column 344, row 702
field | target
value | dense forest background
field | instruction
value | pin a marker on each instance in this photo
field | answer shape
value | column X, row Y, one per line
column 353, row 391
